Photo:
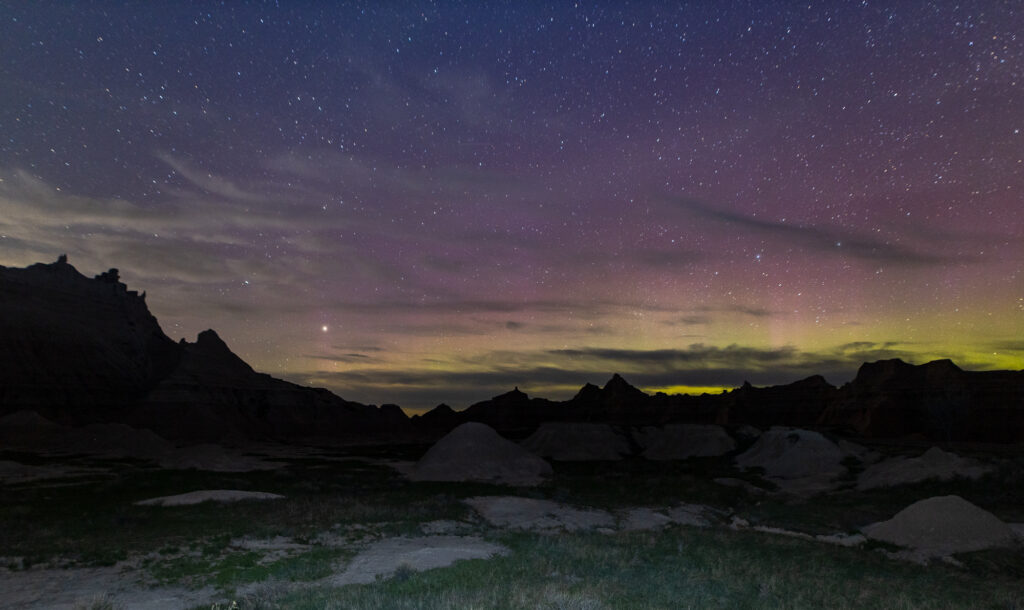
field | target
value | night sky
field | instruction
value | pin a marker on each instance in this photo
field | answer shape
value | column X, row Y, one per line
column 426, row 202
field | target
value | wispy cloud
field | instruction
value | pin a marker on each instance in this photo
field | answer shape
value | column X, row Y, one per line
column 830, row 240
column 210, row 182
column 710, row 314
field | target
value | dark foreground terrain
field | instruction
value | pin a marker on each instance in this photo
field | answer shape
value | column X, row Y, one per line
column 351, row 531
column 140, row 472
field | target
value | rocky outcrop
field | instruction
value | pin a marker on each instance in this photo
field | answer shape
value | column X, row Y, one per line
column 83, row 351
column 436, row 422
column 617, row 402
column 937, row 400
column 513, row 413
column 797, row 404
column 74, row 349
column 887, row 399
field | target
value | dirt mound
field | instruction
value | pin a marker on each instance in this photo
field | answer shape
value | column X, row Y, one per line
column 792, row 453
column 475, row 452
column 681, row 441
column 578, row 442
column 537, row 515
column 208, row 495
column 941, row 526
column 932, row 464
column 799, row 461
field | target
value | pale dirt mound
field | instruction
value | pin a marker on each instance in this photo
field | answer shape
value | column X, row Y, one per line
column 792, row 453
column 209, row 495
column 537, row 515
column 942, row 526
column 799, row 461
column 577, row 442
column 681, row 441
column 475, row 452
column 385, row 557
column 932, row 464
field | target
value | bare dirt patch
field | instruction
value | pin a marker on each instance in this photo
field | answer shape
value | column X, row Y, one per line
column 209, row 495
column 69, row 589
column 383, row 558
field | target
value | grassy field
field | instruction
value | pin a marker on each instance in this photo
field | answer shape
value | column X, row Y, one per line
column 335, row 506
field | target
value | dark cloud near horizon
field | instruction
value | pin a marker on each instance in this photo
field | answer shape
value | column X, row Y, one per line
column 349, row 358
column 698, row 365
column 1009, row 346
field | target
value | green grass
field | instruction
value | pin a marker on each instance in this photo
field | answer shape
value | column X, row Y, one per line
column 226, row 568
column 680, row 568
column 95, row 523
